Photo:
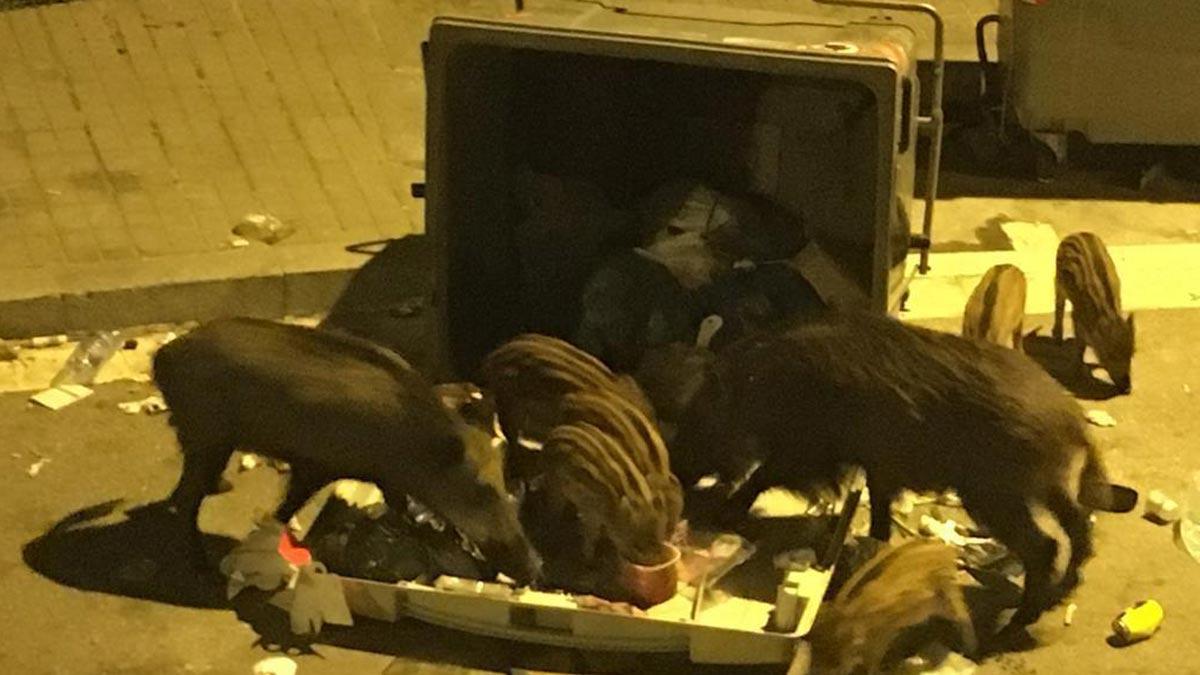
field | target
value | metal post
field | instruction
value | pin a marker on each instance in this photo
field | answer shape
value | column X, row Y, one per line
column 934, row 122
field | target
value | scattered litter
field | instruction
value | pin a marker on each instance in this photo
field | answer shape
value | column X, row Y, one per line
column 171, row 335
column 361, row 495
column 388, row 545
column 487, row 589
column 47, row 341
column 251, row 461
column 61, row 396
column 1101, row 418
column 948, row 531
column 257, row 562
column 1187, row 531
column 950, row 499
column 316, row 599
column 602, row 605
column 906, row 503
column 131, row 343
column 89, row 355
column 798, row 559
column 1187, row 535
column 949, row 664
column 1069, row 615
column 151, row 405
column 1161, row 509
column 36, row 468
column 1138, row 622
column 238, row 242
column 262, row 227
column 275, row 665
column 706, row 557
column 7, row 352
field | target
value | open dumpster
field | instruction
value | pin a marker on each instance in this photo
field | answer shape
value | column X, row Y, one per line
column 818, row 115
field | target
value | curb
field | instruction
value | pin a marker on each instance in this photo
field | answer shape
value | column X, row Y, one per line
column 257, row 281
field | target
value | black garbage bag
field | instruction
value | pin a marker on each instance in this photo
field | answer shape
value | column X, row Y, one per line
column 396, row 546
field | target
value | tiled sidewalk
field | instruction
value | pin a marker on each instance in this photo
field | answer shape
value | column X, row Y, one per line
column 144, row 128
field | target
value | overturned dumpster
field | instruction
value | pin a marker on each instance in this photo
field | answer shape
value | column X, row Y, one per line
column 552, row 132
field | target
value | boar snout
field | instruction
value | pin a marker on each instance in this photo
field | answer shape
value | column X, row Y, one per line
column 1124, row 384
column 487, row 516
column 517, row 559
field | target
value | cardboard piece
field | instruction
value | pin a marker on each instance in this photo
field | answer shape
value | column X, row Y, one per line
column 56, row 398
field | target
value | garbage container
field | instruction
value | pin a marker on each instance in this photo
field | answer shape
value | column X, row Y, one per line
column 819, row 115
column 1116, row 71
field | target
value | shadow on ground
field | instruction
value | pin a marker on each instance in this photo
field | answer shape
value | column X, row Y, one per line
column 1062, row 362
column 988, row 237
column 138, row 553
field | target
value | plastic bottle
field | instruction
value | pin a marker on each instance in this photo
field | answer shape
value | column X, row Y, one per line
column 89, row 355
column 1189, row 525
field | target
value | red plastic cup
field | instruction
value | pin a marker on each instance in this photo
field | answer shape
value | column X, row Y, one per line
column 650, row 585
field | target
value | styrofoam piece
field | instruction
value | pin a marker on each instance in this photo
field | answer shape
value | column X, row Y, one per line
column 276, row 665
column 57, row 398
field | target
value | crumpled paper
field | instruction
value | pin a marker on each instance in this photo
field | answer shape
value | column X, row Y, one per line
column 276, row 665
column 314, row 599
column 269, row 560
column 151, row 405
column 256, row 562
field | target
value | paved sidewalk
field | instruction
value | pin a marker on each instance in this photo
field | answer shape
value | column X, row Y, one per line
column 135, row 133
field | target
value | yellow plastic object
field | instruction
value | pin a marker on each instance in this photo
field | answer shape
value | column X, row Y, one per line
column 1138, row 622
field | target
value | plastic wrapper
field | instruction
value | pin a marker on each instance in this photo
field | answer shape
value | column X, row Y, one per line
column 711, row 555
column 262, row 227
column 392, row 547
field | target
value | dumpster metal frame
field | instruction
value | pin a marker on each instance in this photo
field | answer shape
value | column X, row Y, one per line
column 620, row 37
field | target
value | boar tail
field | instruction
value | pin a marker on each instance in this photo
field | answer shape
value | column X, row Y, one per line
column 1097, row 493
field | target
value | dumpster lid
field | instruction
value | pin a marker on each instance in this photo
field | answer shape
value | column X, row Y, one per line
column 817, row 31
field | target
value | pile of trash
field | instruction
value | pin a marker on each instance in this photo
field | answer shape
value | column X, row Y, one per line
column 618, row 282
column 371, row 541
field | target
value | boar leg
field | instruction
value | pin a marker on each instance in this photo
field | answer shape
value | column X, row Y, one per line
column 1009, row 519
column 1060, row 308
column 883, row 494
column 305, row 480
column 1074, row 522
column 203, row 461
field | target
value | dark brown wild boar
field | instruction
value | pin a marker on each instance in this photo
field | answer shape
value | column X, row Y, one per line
column 332, row 406
column 1086, row 276
column 995, row 311
column 916, row 409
